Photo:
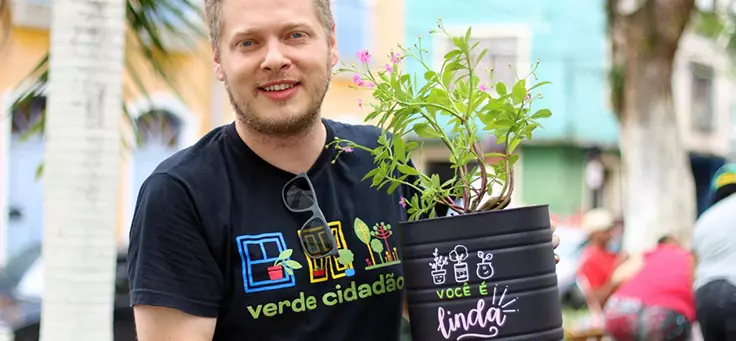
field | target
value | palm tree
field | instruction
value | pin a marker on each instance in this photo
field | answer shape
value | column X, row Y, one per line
column 83, row 72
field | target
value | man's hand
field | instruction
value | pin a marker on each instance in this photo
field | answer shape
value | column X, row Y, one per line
column 555, row 240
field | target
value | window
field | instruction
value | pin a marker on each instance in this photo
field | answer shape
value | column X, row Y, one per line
column 502, row 51
column 258, row 253
column 701, row 106
column 159, row 127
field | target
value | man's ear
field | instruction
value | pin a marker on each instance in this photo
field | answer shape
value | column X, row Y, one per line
column 216, row 62
column 334, row 53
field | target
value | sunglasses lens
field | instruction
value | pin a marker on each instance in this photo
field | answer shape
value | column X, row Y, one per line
column 298, row 196
column 317, row 238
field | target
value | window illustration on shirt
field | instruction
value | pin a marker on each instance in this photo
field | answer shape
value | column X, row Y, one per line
column 259, row 253
column 321, row 270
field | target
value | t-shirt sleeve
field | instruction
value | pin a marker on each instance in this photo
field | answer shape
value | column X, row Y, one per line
column 597, row 268
column 169, row 261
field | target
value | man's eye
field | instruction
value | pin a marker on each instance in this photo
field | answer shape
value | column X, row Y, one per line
column 297, row 35
column 246, row 43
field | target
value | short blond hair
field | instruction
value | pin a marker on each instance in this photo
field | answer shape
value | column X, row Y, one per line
column 213, row 11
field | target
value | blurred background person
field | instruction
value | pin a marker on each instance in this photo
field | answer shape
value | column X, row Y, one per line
column 600, row 257
column 654, row 300
column 714, row 245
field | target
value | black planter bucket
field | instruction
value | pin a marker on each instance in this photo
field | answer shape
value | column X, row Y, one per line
column 482, row 276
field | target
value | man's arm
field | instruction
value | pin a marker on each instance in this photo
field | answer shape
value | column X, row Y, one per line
column 167, row 324
column 176, row 283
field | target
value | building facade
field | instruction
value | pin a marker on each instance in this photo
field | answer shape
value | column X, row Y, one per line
column 573, row 163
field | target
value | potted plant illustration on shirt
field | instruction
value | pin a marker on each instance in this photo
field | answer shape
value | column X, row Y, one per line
column 319, row 270
column 283, row 263
column 345, row 258
column 458, row 105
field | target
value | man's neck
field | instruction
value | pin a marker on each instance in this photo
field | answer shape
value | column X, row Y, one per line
column 294, row 154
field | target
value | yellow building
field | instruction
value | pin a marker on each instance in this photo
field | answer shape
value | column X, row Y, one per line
column 203, row 106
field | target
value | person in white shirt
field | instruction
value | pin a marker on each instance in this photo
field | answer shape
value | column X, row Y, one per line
column 714, row 247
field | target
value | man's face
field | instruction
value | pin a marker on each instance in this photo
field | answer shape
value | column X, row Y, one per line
column 275, row 60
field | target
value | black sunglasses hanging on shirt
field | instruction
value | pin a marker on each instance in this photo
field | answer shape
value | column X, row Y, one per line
column 315, row 235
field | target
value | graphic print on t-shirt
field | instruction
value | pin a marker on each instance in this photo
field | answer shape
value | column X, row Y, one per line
column 263, row 269
column 321, row 270
column 267, row 264
column 376, row 240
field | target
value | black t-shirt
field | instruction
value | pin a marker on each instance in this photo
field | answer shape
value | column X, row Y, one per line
column 210, row 224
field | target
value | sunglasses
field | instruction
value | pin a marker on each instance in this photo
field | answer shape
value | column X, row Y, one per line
column 315, row 235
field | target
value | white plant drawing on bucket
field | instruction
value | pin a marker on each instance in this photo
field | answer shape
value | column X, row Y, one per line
column 458, row 255
column 485, row 267
column 438, row 271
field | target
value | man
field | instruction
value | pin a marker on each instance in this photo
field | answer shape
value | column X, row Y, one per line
column 714, row 246
column 252, row 233
column 598, row 261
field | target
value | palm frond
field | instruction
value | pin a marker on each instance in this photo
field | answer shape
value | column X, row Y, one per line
column 154, row 26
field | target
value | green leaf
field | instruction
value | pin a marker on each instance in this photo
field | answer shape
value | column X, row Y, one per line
column 399, row 150
column 289, row 271
column 514, row 143
column 293, row 264
column 518, row 93
column 452, row 54
column 503, row 123
column 542, row 113
column 395, row 184
column 501, row 88
column 407, row 170
column 538, row 85
column 494, row 155
column 285, row 254
column 425, row 131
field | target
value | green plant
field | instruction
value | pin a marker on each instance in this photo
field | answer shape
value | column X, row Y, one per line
column 452, row 93
column 288, row 264
column 345, row 257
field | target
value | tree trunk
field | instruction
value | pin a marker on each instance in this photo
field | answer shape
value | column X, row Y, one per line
column 82, row 169
column 658, row 183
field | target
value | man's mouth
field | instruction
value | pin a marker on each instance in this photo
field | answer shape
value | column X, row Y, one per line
column 279, row 86
column 279, row 90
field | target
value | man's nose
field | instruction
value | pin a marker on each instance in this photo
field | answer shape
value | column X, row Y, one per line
column 275, row 59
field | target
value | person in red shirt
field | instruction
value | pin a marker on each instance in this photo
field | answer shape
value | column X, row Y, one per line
column 599, row 260
column 655, row 301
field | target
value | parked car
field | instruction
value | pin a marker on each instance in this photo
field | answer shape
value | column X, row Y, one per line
column 21, row 287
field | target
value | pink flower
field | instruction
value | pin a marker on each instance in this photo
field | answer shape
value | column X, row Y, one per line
column 364, row 56
column 395, row 58
column 402, row 202
column 370, row 85
column 360, row 102
column 389, row 69
column 347, row 149
column 357, row 80
column 483, row 88
column 452, row 87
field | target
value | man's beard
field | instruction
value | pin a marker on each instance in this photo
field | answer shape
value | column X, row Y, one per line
column 278, row 127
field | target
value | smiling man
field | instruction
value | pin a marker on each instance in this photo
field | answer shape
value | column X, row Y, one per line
column 252, row 233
